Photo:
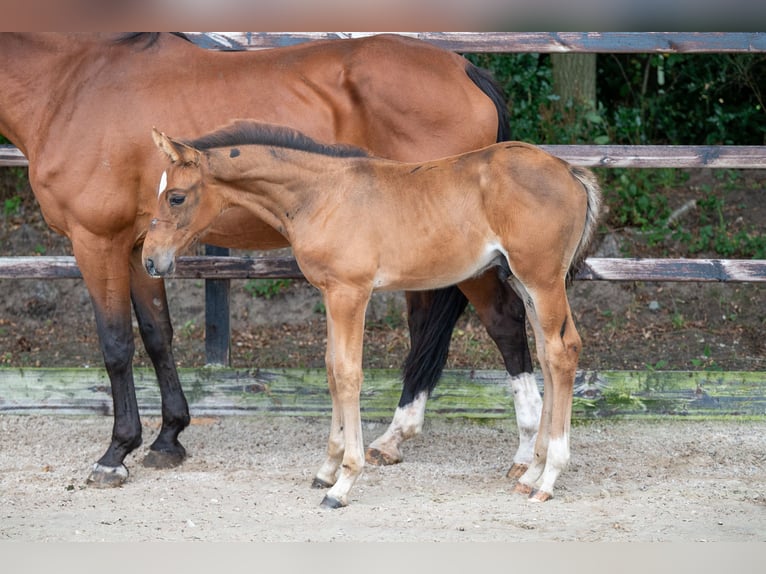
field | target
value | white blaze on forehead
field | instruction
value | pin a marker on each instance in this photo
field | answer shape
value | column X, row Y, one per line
column 163, row 183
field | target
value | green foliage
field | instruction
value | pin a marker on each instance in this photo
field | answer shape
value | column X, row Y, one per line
column 535, row 114
column 692, row 99
column 716, row 235
column 699, row 99
column 12, row 205
column 267, row 288
column 663, row 99
column 636, row 197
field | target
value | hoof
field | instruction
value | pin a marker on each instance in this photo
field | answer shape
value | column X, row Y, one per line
column 164, row 459
column 330, row 502
column 107, row 476
column 522, row 488
column 319, row 483
column 377, row 457
column 540, row 496
column 517, row 470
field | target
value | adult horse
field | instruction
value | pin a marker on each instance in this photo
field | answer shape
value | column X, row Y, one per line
column 359, row 224
column 81, row 107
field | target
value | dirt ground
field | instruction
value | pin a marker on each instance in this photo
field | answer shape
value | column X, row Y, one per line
column 248, row 479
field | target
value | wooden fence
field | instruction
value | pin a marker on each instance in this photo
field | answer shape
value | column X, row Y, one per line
column 218, row 268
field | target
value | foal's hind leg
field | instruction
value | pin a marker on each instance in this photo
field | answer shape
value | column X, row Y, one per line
column 558, row 345
column 151, row 307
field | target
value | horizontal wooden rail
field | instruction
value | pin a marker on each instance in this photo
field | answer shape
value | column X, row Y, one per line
column 639, row 156
column 477, row 395
column 539, row 42
column 653, row 156
column 229, row 267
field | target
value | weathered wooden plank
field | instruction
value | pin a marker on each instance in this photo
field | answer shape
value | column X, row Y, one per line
column 643, row 156
column 190, row 267
column 654, row 156
column 464, row 394
column 11, row 156
column 593, row 269
column 703, row 270
column 539, row 42
column 198, row 267
column 43, row 267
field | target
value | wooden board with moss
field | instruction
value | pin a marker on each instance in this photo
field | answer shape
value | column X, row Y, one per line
column 461, row 394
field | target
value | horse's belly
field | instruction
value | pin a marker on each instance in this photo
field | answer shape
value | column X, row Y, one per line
column 443, row 268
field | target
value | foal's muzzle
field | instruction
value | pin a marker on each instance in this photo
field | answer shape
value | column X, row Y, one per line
column 153, row 270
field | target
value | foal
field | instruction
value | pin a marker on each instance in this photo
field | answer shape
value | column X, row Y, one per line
column 359, row 224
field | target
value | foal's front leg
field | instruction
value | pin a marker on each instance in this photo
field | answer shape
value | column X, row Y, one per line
column 345, row 450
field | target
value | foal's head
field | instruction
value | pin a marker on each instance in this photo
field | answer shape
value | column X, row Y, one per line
column 184, row 208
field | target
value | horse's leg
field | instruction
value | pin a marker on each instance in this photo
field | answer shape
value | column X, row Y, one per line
column 151, row 307
column 431, row 317
column 345, row 319
column 501, row 311
column 106, row 273
column 559, row 347
column 328, row 472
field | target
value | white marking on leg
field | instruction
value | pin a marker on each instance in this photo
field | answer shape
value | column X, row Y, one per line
column 120, row 471
column 351, row 469
column 163, row 183
column 406, row 424
column 528, row 405
column 557, row 461
column 335, row 449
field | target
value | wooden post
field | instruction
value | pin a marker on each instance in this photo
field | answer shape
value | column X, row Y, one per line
column 217, row 318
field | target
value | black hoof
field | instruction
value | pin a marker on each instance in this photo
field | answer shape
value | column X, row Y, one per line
column 107, row 476
column 319, row 483
column 329, row 502
column 164, row 458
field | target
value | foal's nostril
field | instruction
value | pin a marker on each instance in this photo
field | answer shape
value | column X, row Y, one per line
column 150, row 268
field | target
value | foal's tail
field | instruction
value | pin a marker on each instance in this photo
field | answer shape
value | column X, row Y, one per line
column 588, row 180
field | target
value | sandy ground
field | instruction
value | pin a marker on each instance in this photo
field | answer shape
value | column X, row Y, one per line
column 248, row 479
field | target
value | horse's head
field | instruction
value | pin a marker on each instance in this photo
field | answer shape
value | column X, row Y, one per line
column 185, row 208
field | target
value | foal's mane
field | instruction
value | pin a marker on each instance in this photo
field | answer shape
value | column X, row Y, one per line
column 148, row 38
column 243, row 132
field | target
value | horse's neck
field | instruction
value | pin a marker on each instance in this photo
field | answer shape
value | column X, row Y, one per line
column 280, row 183
column 35, row 73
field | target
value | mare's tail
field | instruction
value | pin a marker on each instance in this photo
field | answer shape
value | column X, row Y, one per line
column 487, row 84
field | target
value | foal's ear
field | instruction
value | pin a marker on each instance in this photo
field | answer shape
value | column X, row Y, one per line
column 177, row 151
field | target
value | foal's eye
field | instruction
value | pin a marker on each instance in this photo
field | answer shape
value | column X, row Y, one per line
column 176, row 200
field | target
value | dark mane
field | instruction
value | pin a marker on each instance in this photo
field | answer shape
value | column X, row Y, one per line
column 148, row 38
column 244, row 132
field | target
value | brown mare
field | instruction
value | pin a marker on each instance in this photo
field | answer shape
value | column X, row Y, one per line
column 81, row 108
column 359, row 224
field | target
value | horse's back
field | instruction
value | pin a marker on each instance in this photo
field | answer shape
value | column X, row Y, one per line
column 398, row 97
